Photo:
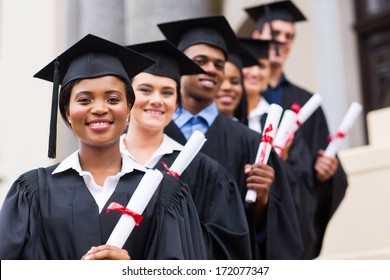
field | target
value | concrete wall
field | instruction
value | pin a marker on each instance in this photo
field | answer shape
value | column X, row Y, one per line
column 360, row 228
column 28, row 36
column 378, row 129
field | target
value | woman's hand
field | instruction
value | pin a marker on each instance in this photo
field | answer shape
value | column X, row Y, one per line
column 106, row 252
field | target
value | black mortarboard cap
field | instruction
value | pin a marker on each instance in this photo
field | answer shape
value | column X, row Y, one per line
column 91, row 57
column 242, row 58
column 214, row 31
column 235, row 59
column 283, row 10
column 170, row 61
column 256, row 48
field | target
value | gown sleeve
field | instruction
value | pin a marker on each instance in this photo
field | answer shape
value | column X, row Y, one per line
column 177, row 231
column 19, row 219
column 283, row 235
column 220, row 209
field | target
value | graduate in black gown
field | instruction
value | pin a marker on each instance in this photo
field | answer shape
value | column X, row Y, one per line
column 59, row 212
column 255, row 81
column 231, row 98
column 320, row 181
column 272, row 220
column 215, row 193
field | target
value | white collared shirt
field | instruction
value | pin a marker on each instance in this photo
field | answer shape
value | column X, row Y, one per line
column 168, row 146
column 100, row 193
column 255, row 116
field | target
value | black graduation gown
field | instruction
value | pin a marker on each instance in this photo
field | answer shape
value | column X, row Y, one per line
column 233, row 145
column 47, row 216
column 219, row 206
column 315, row 201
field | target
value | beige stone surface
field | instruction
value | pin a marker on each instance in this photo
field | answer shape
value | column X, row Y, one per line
column 378, row 127
column 360, row 228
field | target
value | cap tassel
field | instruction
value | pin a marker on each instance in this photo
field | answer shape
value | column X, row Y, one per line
column 268, row 15
column 54, row 110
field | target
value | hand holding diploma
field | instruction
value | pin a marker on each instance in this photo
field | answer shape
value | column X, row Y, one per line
column 345, row 125
column 269, row 131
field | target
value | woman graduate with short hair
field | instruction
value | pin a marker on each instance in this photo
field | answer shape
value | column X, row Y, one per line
column 59, row 212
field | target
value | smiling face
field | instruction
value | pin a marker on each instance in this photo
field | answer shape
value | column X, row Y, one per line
column 204, row 87
column 155, row 102
column 231, row 90
column 98, row 110
column 256, row 77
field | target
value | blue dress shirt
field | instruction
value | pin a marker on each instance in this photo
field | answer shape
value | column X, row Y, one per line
column 274, row 95
column 188, row 122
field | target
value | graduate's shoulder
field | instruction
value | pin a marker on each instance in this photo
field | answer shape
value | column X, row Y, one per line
column 301, row 94
column 172, row 191
column 203, row 162
column 31, row 177
column 237, row 128
column 33, row 173
column 29, row 180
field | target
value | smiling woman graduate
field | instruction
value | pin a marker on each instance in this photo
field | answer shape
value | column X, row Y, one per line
column 212, row 187
column 59, row 212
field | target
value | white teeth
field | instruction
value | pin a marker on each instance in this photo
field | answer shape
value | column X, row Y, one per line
column 209, row 83
column 225, row 99
column 154, row 112
column 99, row 124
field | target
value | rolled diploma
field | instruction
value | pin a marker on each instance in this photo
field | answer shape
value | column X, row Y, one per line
column 190, row 150
column 308, row 109
column 273, row 118
column 138, row 202
column 149, row 183
column 349, row 119
column 285, row 129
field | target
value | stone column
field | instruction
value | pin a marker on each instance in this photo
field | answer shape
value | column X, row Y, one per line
column 124, row 22
column 99, row 17
column 142, row 17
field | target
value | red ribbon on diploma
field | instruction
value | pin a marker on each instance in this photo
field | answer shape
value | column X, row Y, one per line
column 296, row 108
column 337, row 135
column 289, row 139
column 267, row 139
column 120, row 208
column 170, row 172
